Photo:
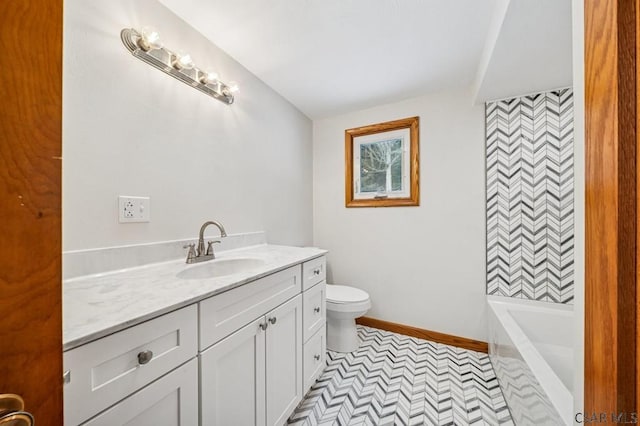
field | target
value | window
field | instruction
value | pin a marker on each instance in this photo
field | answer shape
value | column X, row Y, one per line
column 382, row 164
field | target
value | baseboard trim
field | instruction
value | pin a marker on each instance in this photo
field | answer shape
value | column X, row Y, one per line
column 434, row 336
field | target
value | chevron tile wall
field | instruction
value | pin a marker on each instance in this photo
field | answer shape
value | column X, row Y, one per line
column 398, row 380
column 529, row 159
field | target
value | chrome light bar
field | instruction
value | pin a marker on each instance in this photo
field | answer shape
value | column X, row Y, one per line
column 147, row 47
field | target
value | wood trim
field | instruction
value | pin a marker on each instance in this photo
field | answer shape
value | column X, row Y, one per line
column 610, row 243
column 30, row 202
column 637, row 19
column 413, row 123
column 420, row 333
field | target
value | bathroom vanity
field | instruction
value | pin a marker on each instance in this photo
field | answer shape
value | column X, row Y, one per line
column 238, row 341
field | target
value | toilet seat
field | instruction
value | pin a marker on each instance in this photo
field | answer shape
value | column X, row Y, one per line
column 342, row 298
column 344, row 294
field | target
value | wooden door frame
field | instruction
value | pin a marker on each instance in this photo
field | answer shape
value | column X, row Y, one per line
column 30, row 206
column 611, row 222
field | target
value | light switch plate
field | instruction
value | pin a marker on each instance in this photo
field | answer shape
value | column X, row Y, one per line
column 134, row 209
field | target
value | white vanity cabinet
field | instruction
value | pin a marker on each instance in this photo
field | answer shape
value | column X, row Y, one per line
column 245, row 356
column 258, row 374
column 252, row 375
column 108, row 370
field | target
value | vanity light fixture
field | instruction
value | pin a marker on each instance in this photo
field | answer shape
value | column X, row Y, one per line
column 147, row 46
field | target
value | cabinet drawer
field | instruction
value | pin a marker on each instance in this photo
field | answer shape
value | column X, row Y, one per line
column 313, row 272
column 314, row 310
column 170, row 401
column 314, row 356
column 225, row 313
column 107, row 370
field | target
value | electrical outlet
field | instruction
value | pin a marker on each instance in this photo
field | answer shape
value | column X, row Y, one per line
column 134, row 209
column 127, row 211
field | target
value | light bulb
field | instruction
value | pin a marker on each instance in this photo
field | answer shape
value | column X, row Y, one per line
column 183, row 61
column 233, row 87
column 209, row 77
column 150, row 39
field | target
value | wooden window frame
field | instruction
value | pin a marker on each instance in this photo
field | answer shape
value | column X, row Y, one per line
column 411, row 123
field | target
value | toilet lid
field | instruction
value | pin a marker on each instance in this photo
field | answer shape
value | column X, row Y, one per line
column 345, row 294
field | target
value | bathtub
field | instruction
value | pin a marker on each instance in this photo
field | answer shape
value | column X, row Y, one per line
column 531, row 350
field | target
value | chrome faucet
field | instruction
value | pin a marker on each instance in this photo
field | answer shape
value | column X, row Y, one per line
column 200, row 255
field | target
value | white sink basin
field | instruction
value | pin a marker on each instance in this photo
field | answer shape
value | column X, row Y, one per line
column 219, row 268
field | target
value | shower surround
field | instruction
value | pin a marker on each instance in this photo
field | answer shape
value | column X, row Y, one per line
column 530, row 209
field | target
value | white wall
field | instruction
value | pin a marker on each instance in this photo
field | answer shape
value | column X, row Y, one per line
column 579, row 202
column 423, row 266
column 129, row 129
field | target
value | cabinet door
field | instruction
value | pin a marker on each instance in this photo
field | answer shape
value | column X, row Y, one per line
column 284, row 360
column 232, row 379
column 172, row 400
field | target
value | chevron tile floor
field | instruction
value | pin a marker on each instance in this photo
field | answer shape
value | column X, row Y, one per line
column 399, row 380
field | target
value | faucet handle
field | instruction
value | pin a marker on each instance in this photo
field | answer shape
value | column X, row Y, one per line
column 191, row 255
column 210, row 246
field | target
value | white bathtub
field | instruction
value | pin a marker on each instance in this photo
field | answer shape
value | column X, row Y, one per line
column 531, row 349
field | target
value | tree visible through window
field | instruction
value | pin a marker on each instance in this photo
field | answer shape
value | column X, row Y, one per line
column 381, row 166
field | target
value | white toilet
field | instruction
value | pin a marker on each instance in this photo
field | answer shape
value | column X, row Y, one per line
column 344, row 305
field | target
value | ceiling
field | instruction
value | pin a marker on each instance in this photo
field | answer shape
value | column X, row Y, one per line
column 530, row 52
column 328, row 57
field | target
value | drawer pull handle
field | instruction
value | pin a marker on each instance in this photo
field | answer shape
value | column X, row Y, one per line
column 316, row 271
column 316, row 309
column 144, row 357
column 263, row 326
column 316, row 357
column 273, row 320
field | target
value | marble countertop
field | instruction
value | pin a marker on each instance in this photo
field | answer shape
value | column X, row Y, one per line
column 97, row 305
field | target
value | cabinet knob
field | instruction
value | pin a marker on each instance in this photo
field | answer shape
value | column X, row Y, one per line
column 316, row 309
column 144, row 357
column 273, row 320
column 316, row 357
column 263, row 326
column 316, row 271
